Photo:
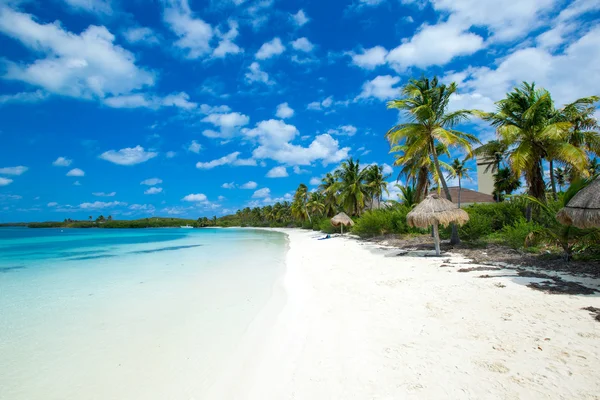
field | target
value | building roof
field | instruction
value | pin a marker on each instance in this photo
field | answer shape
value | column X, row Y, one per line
column 467, row 196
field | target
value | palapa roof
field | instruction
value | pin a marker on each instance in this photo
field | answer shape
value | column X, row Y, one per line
column 583, row 211
column 467, row 196
column 436, row 209
column 342, row 219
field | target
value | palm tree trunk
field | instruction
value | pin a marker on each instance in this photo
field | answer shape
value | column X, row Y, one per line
column 454, row 238
column 552, row 181
column 459, row 190
column 436, row 238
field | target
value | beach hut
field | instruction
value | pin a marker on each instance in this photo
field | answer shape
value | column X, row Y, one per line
column 583, row 211
column 436, row 211
column 342, row 219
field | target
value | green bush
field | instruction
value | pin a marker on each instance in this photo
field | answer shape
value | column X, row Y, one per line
column 498, row 215
column 383, row 221
column 515, row 235
column 325, row 226
column 476, row 229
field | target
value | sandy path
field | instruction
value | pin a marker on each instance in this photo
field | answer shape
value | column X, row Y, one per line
column 358, row 325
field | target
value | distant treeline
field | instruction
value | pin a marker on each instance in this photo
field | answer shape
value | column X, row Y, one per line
column 154, row 222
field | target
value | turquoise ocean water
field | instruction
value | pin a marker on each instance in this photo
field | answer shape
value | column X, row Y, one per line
column 111, row 314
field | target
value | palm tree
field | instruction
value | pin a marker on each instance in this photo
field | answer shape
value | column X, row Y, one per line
column 316, row 203
column 493, row 151
column 328, row 187
column 527, row 122
column 376, row 183
column 505, row 182
column 351, row 186
column 560, row 175
column 299, row 210
column 460, row 171
column 593, row 167
column 408, row 195
column 425, row 107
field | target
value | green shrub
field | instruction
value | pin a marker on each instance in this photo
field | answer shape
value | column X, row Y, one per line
column 326, row 227
column 498, row 215
column 476, row 229
column 515, row 235
column 383, row 221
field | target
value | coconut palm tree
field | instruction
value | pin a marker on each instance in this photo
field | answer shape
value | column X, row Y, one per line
column 425, row 107
column 560, row 175
column 299, row 210
column 505, row 182
column 593, row 167
column 316, row 203
column 408, row 195
column 493, row 151
column 527, row 122
column 328, row 187
column 376, row 183
column 460, row 171
column 351, row 186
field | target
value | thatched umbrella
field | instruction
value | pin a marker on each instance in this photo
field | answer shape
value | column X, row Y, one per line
column 436, row 211
column 342, row 219
column 583, row 210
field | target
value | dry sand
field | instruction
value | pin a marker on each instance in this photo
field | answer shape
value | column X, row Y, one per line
column 359, row 325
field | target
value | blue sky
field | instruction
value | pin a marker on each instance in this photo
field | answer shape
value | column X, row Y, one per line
column 197, row 108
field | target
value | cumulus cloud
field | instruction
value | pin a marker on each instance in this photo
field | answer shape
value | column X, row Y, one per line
column 103, row 194
column 320, row 105
column 92, row 6
column 86, row 65
column 153, row 190
column 170, row 154
column 141, row 35
column 370, row 58
column 195, row 147
column 256, row 74
column 228, row 124
column 179, row 100
column 303, row 44
column 284, row 111
column 270, row 49
column 344, row 130
column 100, row 205
column 300, row 18
column 261, row 193
column 24, row 97
column 382, row 87
column 19, row 170
column 151, row 181
column 5, row 181
column 228, row 185
column 76, row 172
column 249, row 185
column 62, row 162
column 199, row 197
column 194, row 33
column 128, row 156
column 226, row 45
column 298, row 170
column 52, row 204
column 230, row 159
column 277, row 172
column 315, row 181
column 274, row 142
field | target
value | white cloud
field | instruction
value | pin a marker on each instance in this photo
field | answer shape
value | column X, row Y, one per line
column 100, row 204
column 221, row 198
column 194, row 33
column 62, row 162
column 277, row 172
column 77, row 183
column 88, row 65
column 300, row 18
column 170, row 154
column 255, row 74
column 153, row 190
column 151, row 181
column 303, row 44
column 298, row 170
column 76, row 172
column 195, row 198
column 370, row 58
column 52, row 204
column 5, row 181
column 261, row 193
column 249, row 185
column 387, row 169
column 141, row 35
column 230, row 159
column 270, row 49
column 20, row 170
column 228, row 124
column 315, row 181
column 24, row 97
column 179, row 100
column 382, row 87
column 344, row 130
column 284, row 111
column 434, row 45
column 226, row 45
column 208, row 109
column 320, row 105
column 195, row 147
column 102, row 194
column 274, row 139
column 230, row 185
column 128, row 156
column 92, row 6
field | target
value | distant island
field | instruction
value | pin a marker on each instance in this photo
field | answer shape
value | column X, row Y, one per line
column 110, row 223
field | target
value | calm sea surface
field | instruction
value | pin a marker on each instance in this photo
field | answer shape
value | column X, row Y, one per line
column 136, row 314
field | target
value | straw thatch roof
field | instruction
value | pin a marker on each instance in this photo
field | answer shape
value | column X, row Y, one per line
column 436, row 209
column 583, row 211
column 342, row 219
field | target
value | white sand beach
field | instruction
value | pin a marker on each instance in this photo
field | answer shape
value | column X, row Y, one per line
column 358, row 325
